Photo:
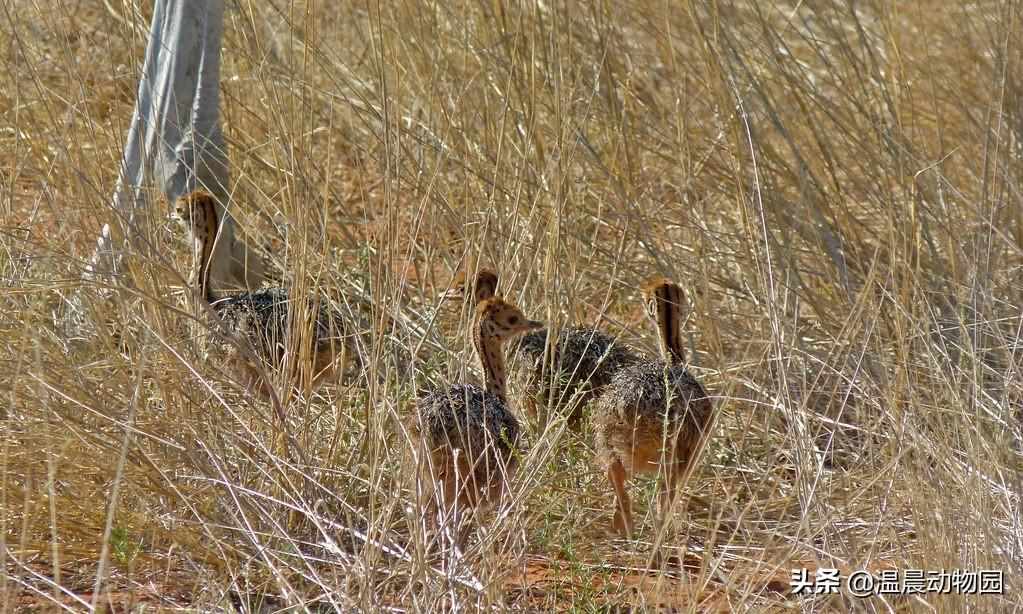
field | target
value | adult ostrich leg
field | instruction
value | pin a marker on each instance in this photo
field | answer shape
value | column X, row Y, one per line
column 175, row 139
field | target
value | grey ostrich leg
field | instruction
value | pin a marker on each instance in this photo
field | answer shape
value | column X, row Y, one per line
column 175, row 137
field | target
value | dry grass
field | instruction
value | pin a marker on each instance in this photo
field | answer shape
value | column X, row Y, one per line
column 836, row 184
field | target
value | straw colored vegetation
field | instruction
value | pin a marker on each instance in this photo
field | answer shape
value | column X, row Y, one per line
column 835, row 185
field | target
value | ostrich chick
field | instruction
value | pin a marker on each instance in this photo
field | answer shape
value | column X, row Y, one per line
column 653, row 415
column 470, row 433
column 255, row 326
column 563, row 378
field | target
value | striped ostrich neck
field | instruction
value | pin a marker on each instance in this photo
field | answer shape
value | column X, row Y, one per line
column 669, row 323
column 205, row 222
column 486, row 288
column 482, row 287
column 488, row 347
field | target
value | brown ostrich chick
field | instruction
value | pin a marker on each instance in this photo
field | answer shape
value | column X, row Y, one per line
column 560, row 379
column 653, row 415
column 254, row 326
column 470, row 433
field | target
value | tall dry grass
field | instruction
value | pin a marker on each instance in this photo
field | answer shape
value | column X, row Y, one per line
column 835, row 183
